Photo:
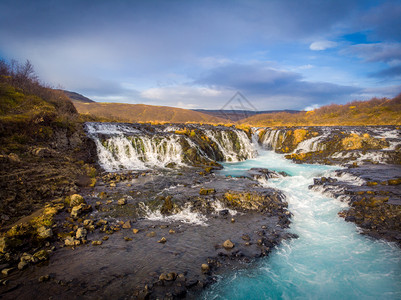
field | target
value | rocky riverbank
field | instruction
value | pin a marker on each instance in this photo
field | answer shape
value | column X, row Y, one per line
column 374, row 195
column 155, row 234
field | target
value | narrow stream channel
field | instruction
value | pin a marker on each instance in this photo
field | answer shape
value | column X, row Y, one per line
column 329, row 260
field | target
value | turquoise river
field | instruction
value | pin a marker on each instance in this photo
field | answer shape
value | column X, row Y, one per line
column 329, row 260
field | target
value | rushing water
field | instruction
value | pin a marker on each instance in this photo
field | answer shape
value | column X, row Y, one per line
column 329, row 260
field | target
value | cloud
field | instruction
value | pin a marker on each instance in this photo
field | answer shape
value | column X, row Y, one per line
column 322, row 45
column 391, row 72
column 312, row 107
column 261, row 79
column 378, row 52
column 382, row 22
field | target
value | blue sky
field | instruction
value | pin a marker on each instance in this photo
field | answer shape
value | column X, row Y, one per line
column 197, row 54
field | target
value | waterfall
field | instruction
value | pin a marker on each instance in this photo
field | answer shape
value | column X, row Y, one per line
column 233, row 150
column 311, row 145
column 271, row 138
column 138, row 147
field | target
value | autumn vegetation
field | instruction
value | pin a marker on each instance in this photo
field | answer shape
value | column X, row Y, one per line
column 135, row 113
column 357, row 113
column 29, row 110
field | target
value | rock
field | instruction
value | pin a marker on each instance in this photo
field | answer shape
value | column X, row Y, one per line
column 81, row 233
column 26, row 257
column 223, row 212
column 246, row 237
column 70, row 241
column 105, row 238
column 7, row 271
column 168, row 206
column 127, row 225
column 232, row 220
column 162, row 240
column 22, row 265
column 113, row 184
column 122, row 201
column 228, row 244
column 76, row 199
column 88, row 222
column 205, row 268
column 44, row 232
column 168, row 277
column 135, row 231
column 97, row 243
column 203, row 191
column 14, row 158
column 44, row 278
column 41, row 255
column 4, row 243
column 80, row 209
column 171, row 231
column 42, row 152
column 127, row 239
column 151, row 234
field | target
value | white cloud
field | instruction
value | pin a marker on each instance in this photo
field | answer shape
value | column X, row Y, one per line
column 311, row 107
column 180, row 93
column 322, row 45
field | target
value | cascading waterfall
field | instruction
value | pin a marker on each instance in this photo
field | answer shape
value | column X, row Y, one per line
column 230, row 151
column 132, row 146
column 271, row 138
column 311, row 145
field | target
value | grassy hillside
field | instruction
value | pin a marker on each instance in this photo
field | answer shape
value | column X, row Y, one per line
column 77, row 97
column 373, row 112
column 144, row 113
column 42, row 144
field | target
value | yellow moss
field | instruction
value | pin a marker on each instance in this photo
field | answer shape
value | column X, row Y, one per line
column 299, row 135
column 352, row 142
column 183, row 131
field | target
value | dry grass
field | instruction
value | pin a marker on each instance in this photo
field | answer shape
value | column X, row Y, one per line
column 137, row 113
column 373, row 112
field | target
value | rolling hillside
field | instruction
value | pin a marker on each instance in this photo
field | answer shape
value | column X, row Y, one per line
column 143, row 113
column 373, row 112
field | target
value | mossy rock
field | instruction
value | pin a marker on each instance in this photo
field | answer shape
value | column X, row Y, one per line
column 207, row 191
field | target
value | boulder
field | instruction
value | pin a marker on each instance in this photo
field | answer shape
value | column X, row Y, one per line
column 127, row 225
column 70, row 241
column 81, row 233
column 41, row 255
column 45, row 232
column 122, row 201
column 76, row 199
column 205, row 268
column 162, row 240
column 168, row 276
column 228, row 244
column 79, row 210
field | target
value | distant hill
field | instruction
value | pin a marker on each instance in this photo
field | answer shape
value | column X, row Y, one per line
column 237, row 115
column 143, row 113
column 372, row 112
column 77, row 97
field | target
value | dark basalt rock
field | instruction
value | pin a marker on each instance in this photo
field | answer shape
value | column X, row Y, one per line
column 137, row 264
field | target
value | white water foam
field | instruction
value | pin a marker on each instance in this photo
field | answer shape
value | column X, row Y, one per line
column 218, row 206
column 184, row 216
